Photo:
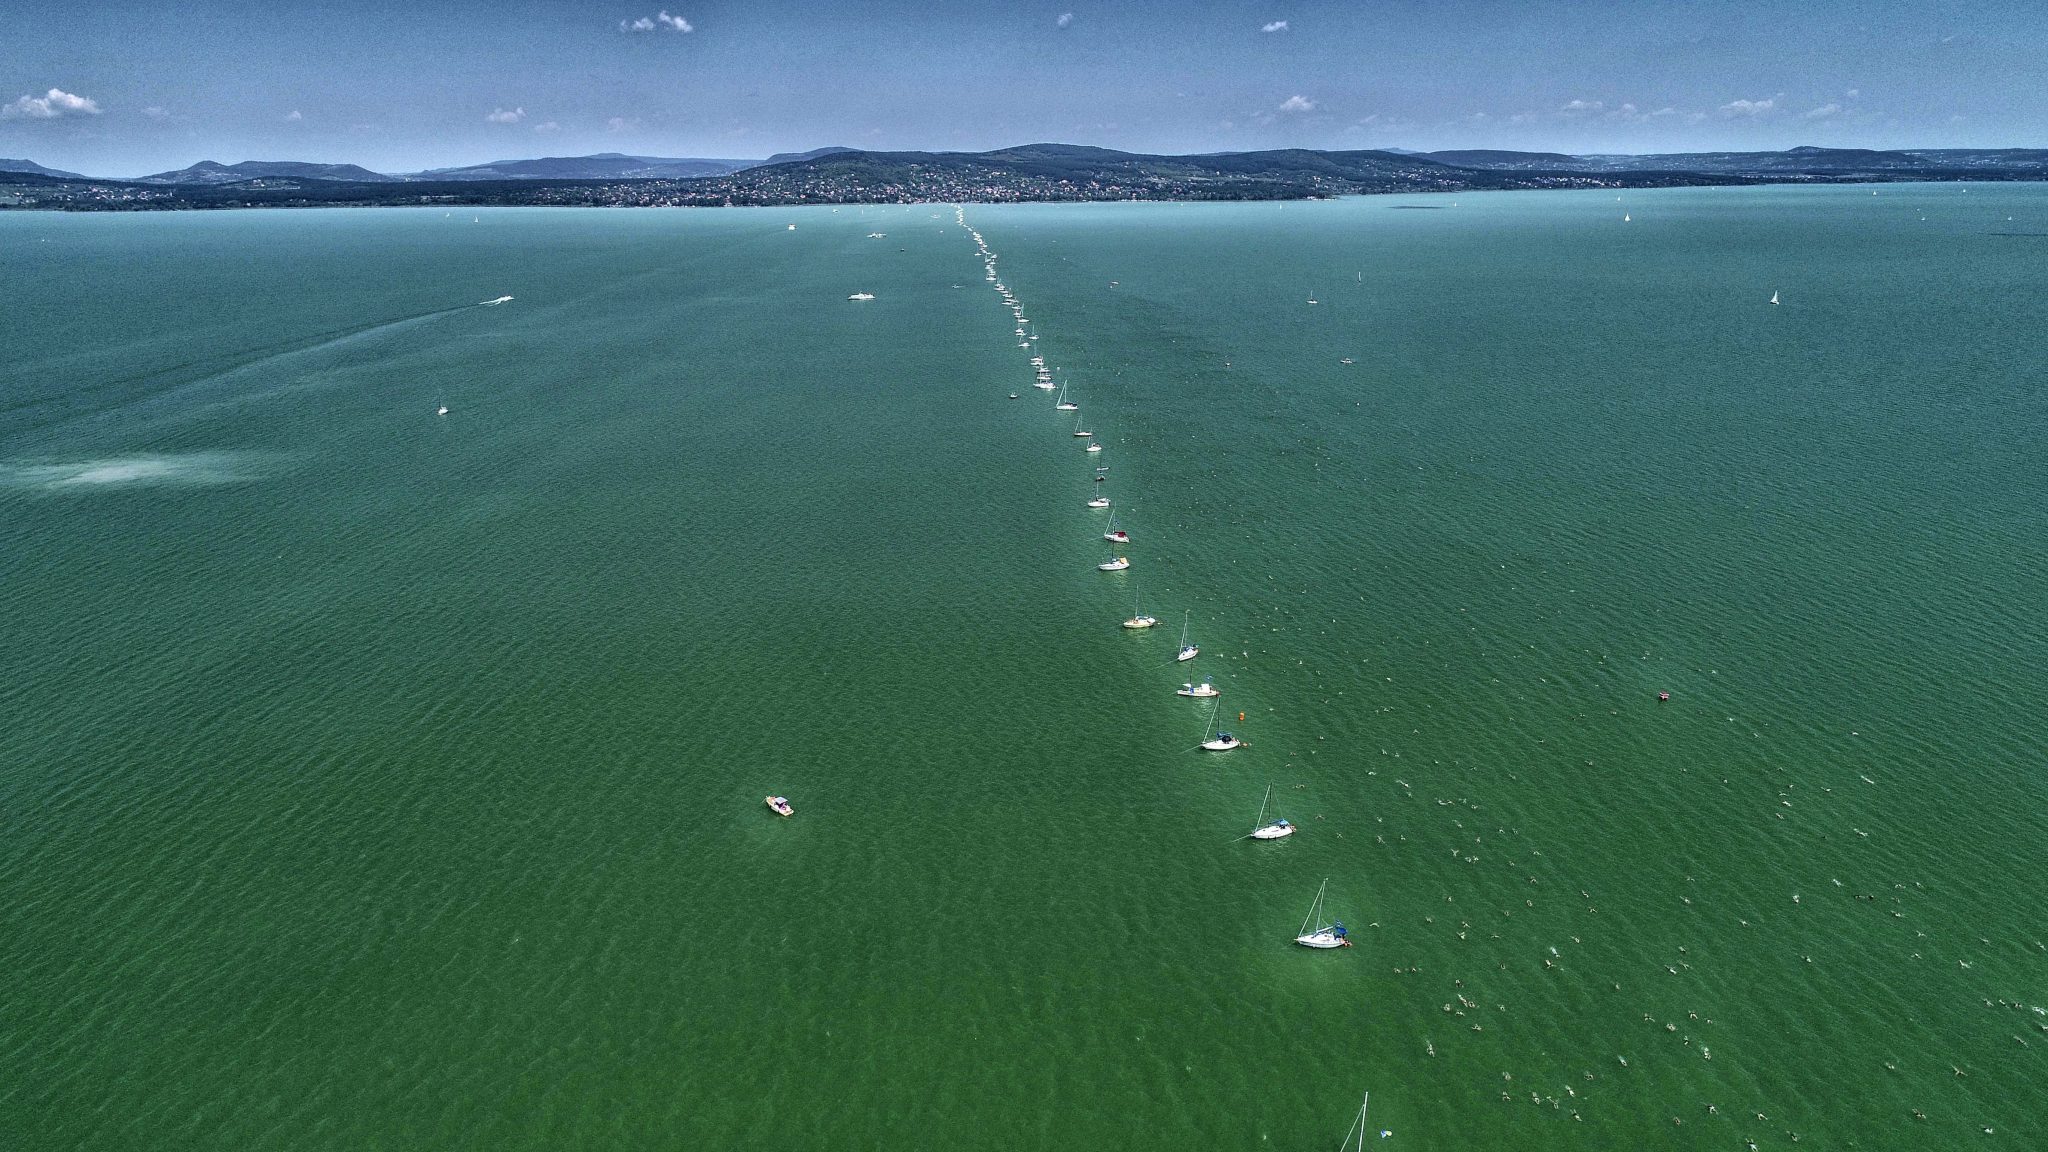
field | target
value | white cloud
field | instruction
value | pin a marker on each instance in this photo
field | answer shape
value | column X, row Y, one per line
column 620, row 124
column 502, row 116
column 1275, row 26
column 294, row 115
column 1822, row 112
column 156, row 112
column 1065, row 19
column 547, row 126
column 1581, row 107
column 49, row 106
column 1749, row 107
column 1853, row 93
column 660, row 20
column 1297, row 104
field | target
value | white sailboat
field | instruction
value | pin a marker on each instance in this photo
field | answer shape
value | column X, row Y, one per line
column 1330, row 935
column 1114, row 564
column 1215, row 741
column 1099, row 502
column 1202, row 691
column 1114, row 534
column 1261, row 830
column 1358, row 1127
column 1774, row 296
column 1138, row 619
column 1094, row 447
column 1064, row 405
column 1187, row 651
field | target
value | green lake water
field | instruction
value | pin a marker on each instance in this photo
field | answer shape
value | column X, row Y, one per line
column 377, row 779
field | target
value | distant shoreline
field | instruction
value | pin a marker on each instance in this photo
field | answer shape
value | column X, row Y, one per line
column 557, row 197
column 1038, row 173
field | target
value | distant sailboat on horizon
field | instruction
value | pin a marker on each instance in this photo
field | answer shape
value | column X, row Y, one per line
column 1774, row 296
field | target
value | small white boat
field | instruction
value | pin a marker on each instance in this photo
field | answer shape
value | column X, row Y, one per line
column 780, row 804
column 1138, row 619
column 441, row 411
column 1062, row 404
column 1774, row 297
column 1201, row 691
column 1114, row 534
column 1214, row 741
column 1330, row 935
column 1278, row 829
column 508, row 300
column 1187, row 651
column 1093, row 447
column 1099, row 502
column 1078, row 430
column 1114, row 564
column 860, row 295
column 1346, row 360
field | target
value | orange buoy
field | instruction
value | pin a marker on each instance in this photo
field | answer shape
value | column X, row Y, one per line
column 1240, row 717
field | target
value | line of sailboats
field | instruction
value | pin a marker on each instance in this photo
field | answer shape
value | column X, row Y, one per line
column 1319, row 930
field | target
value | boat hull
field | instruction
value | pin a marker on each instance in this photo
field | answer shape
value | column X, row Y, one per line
column 1322, row 940
column 1269, row 832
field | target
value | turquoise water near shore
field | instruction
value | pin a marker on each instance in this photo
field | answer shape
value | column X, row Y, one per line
column 377, row 779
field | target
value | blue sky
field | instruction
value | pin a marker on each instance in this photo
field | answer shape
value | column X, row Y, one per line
column 124, row 89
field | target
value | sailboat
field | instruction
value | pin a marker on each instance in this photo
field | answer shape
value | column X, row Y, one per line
column 1099, row 502
column 1077, row 426
column 1217, row 741
column 1113, row 534
column 1312, row 298
column 1138, row 619
column 1201, row 691
column 1774, row 296
column 1278, row 829
column 1114, row 564
column 1094, row 447
column 1187, row 651
column 1358, row 1126
column 1331, row 935
column 1065, row 405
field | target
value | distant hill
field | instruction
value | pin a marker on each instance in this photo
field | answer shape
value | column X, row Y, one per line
column 601, row 166
column 210, row 172
column 31, row 166
column 1494, row 159
column 789, row 157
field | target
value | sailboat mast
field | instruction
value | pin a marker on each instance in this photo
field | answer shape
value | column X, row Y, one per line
column 1312, row 907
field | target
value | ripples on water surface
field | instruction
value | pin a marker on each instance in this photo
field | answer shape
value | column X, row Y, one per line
column 372, row 778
